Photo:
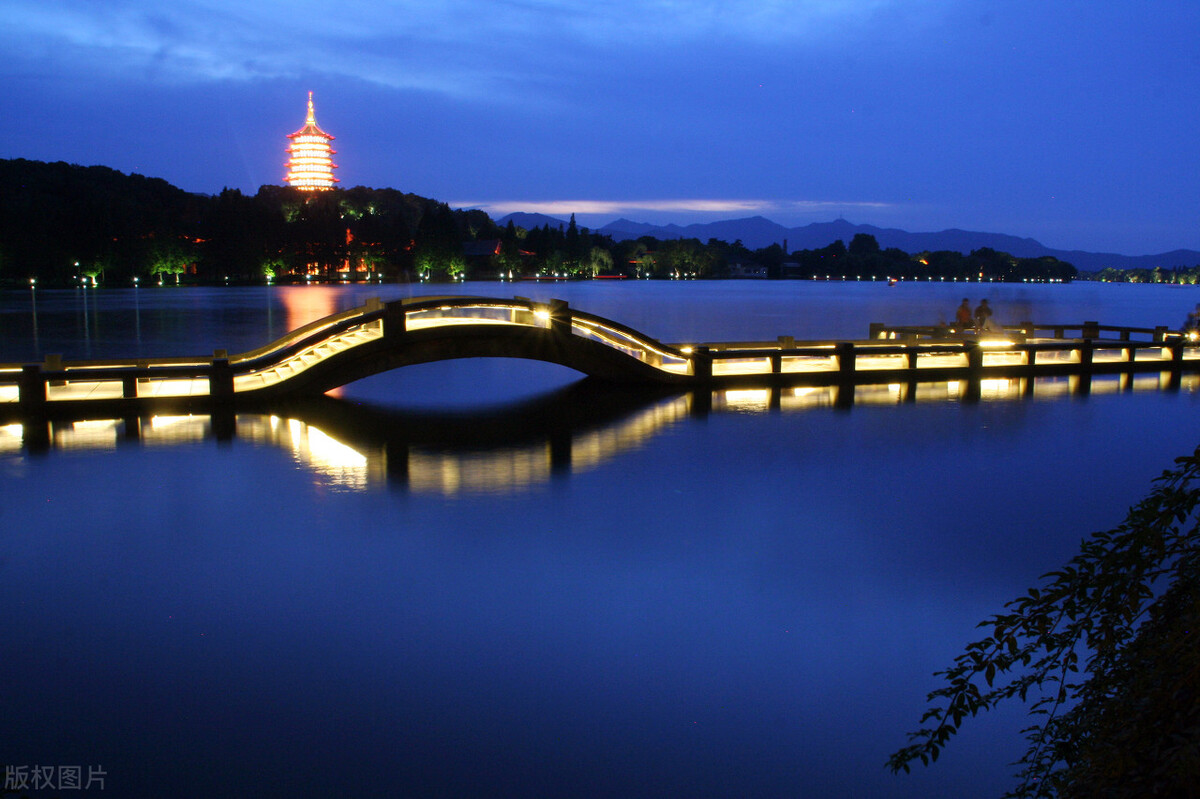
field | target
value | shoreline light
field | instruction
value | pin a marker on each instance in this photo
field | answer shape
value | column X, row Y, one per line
column 310, row 158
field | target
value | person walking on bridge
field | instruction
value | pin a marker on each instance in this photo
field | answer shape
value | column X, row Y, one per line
column 983, row 317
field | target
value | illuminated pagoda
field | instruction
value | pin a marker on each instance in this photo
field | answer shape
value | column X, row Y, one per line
column 310, row 158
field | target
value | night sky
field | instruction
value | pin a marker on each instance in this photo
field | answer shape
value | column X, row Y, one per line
column 1075, row 124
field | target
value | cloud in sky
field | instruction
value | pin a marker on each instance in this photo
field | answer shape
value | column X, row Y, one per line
column 1019, row 115
column 459, row 47
column 680, row 208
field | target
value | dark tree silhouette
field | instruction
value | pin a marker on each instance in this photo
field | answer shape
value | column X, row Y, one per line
column 1106, row 648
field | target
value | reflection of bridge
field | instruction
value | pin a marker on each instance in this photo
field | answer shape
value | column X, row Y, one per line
column 378, row 337
column 353, row 447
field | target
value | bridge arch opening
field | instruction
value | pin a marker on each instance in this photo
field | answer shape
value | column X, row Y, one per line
column 461, row 384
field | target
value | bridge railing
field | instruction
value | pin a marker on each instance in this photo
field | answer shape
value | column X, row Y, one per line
column 893, row 350
column 429, row 311
column 58, row 379
column 310, row 332
column 632, row 342
column 34, row 384
column 849, row 357
column 1025, row 330
column 532, row 313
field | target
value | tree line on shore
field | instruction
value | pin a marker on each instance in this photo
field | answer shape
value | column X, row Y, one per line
column 61, row 224
column 1180, row 275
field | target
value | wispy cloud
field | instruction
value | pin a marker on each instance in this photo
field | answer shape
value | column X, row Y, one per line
column 463, row 47
column 685, row 207
column 556, row 207
column 218, row 40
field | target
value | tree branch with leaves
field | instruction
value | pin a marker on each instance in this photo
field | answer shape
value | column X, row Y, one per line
column 1107, row 651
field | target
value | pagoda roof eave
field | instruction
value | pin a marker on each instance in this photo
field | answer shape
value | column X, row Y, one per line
column 310, row 130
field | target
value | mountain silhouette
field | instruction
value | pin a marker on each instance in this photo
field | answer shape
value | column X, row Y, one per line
column 756, row 232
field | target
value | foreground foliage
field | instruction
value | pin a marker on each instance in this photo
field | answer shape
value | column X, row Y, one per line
column 1107, row 652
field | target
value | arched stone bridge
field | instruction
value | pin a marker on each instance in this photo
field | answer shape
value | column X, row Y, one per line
column 379, row 336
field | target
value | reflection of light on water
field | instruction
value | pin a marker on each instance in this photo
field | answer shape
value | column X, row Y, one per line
column 593, row 447
column 743, row 400
column 934, row 392
column 11, row 438
column 366, row 461
column 998, row 388
column 344, row 466
column 513, row 469
column 175, row 429
column 995, row 388
column 85, row 425
column 807, row 398
column 89, row 434
column 494, row 471
column 260, row 429
column 331, row 453
column 304, row 304
column 163, row 422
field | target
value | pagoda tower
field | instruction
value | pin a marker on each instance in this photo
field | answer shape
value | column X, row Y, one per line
column 310, row 158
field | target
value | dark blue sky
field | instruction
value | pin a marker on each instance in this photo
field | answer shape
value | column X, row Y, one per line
column 1073, row 124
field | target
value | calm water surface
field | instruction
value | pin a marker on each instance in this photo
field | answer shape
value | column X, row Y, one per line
column 551, row 590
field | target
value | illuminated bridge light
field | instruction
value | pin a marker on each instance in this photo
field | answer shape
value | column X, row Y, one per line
column 310, row 158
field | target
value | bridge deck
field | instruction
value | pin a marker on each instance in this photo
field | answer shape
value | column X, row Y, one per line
column 378, row 336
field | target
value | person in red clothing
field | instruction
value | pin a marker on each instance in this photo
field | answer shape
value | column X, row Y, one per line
column 962, row 317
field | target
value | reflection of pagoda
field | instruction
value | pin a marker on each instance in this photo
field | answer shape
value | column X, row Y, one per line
column 310, row 158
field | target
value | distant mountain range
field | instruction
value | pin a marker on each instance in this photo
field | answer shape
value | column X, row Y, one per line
column 756, row 232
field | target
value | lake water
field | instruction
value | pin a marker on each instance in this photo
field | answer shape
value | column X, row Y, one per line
column 482, row 579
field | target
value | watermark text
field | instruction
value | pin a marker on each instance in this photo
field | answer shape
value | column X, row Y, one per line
column 54, row 778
